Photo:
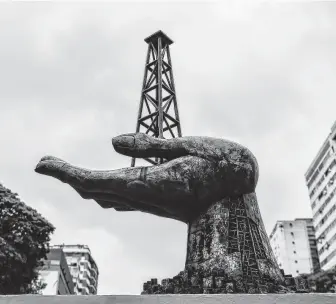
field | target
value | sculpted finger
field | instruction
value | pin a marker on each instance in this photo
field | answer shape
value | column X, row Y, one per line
column 141, row 146
column 116, row 188
column 63, row 171
column 49, row 165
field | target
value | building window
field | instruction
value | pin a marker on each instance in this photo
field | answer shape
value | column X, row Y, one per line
column 312, row 242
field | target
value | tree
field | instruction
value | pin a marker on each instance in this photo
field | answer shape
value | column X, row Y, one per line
column 24, row 244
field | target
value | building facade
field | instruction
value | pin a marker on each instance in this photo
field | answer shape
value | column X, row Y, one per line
column 55, row 273
column 321, row 183
column 294, row 246
column 83, row 268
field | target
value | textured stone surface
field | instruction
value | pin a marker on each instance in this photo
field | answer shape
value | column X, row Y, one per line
column 174, row 299
column 209, row 184
column 223, row 285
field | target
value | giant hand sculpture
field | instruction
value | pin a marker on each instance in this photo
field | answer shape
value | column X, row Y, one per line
column 207, row 183
column 200, row 170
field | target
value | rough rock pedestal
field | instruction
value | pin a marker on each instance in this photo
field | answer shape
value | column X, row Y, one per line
column 229, row 246
column 228, row 251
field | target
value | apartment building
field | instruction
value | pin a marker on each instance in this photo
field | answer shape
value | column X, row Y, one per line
column 55, row 273
column 83, row 268
column 294, row 246
column 321, row 183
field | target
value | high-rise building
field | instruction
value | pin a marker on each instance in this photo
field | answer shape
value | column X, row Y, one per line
column 55, row 274
column 321, row 182
column 294, row 246
column 83, row 268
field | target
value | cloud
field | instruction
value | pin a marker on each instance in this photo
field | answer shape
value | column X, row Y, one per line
column 70, row 80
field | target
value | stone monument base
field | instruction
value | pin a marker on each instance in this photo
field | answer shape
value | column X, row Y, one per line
column 220, row 285
column 174, row 299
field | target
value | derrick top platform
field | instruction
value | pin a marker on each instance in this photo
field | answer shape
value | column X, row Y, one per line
column 159, row 34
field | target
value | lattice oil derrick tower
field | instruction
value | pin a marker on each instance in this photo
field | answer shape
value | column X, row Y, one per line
column 158, row 113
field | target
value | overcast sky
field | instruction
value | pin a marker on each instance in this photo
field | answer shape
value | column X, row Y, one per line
column 70, row 80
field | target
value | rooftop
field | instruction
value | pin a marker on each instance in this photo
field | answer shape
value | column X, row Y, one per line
column 74, row 246
column 288, row 221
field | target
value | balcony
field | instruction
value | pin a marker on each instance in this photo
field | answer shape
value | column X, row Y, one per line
column 329, row 164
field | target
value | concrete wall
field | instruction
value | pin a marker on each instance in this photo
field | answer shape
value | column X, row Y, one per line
column 56, row 274
column 51, row 278
column 62, row 286
column 175, row 299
